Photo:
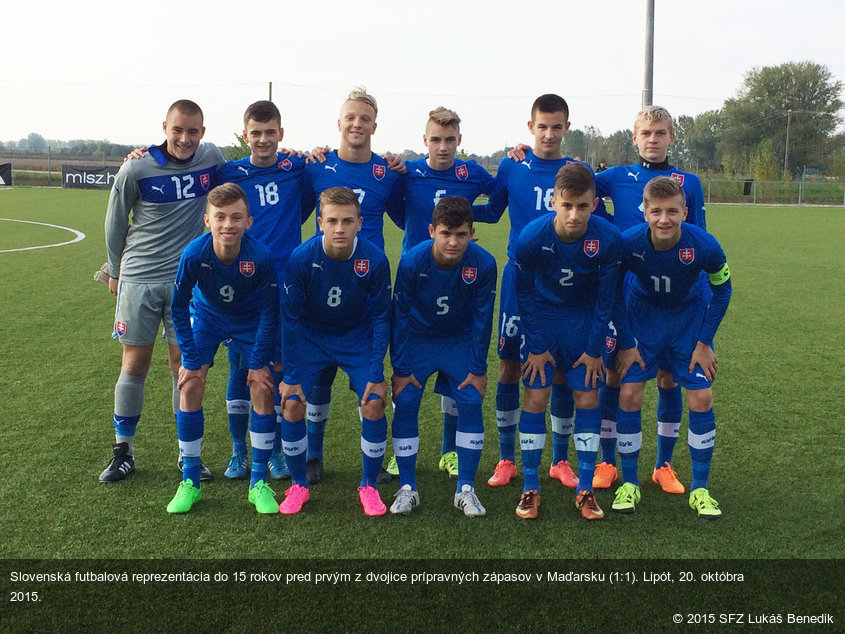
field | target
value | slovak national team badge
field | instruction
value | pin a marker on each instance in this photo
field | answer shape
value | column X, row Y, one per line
column 678, row 177
column 461, row 172
column 591, row 247
column 205, row 180
column 120, row 327
column 610, row 344
column 686, row 255
column 286, row 165
column 468, row 274
column 379, row 172
column 362, row 267
column 247, row 268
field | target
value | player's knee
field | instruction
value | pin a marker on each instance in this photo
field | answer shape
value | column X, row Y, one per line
column 631, row 397
column 192, row 392
column 700, row 400
column 373, row 408
column 262, row 400
column 536, row 401
column 293, row 409
column 585, row 400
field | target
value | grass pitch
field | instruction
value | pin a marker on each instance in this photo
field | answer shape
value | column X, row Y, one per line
column 777, row 469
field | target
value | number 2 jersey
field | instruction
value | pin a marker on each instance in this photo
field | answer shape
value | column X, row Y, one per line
column 233, row 297
column 556, row 278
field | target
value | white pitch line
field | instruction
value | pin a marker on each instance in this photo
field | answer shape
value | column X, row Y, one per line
column 79, row 236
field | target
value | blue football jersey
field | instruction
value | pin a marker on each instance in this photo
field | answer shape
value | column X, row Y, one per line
column 275, row 201
column 526, row 188
column 425, row 186
column 238, row 294
column 670, row 279
column 555, row 278
column 379, row 190
column 624, row 184
column 442, row 304
column 336, row 297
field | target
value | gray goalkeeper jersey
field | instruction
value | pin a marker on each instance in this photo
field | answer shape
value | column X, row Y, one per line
column 166, row 201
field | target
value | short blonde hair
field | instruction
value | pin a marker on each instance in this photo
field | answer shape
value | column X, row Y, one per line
column 661, row 188
column 653, row 114
column 445, row 117
column 359, row 93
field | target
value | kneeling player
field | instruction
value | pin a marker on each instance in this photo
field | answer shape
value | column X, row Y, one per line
column 442, row 320
column 566, row 269
column 336, row 304
column 668, row 322
column 225, row 291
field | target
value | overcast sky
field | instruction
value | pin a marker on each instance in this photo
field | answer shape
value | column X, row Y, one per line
column 109, row 70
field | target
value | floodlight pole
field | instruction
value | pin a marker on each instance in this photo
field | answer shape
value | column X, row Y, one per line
column 786, row 149
column 648, row 80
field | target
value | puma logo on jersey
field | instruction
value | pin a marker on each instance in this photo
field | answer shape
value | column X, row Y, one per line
column 158, row 189
column 639, row 255
column 420, row 172
column 526, row 164
column 286, row 287
column 204, row 265
column 330, row 167
column 317, row 266
column 583, row 440
column 243, row 169
column 700, row 375
column 636, row 177
column 552, row 249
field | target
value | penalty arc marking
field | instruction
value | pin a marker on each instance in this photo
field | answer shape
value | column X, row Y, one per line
column 78, row 235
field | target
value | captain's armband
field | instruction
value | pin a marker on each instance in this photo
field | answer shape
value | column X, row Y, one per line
column 721, row 276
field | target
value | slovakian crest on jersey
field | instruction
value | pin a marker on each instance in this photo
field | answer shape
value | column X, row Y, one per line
column 286, row 165
column 610, row 344
column 686, row 255
column 378, row 172
column 120, row 327
column 461, row 172
column 247, row 268
column 678, row 177
column 205, row 180
column 469, row 274
column 362, row 267
column 591, row 247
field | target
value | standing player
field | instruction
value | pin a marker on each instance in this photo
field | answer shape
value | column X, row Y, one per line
column 624, row 184
column 567, row 265
column 442, row 320
column 273, row 184
column 379, row 191
column 164, row 193
column 669, row 320
column 225, row 291
column 526, row 189
column 336, row 304
column 427, row 180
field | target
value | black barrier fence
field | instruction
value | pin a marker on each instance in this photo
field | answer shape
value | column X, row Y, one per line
column 88, row 176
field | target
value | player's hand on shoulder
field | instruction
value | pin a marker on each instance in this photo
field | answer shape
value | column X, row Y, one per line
column 625, row 359
column 595, row 370
column 290, row 152
column 395, row 163
column 318, row 154
column 478, row 381
column 704, row 356
column 519, row 152
column 137, row 153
